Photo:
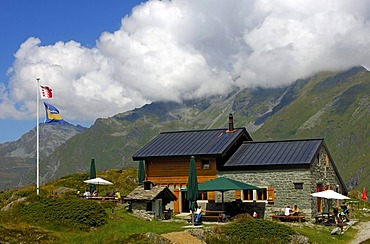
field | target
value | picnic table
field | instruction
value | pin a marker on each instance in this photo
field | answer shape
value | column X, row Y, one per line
column 104, row 198
column 288, row 218
column 218, row 215
column 324, row 217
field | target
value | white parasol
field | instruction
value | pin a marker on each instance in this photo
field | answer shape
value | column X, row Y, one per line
column 329, row 194
column 98, row 181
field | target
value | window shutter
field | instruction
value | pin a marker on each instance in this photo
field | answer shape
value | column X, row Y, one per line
column 176, row 191
column 270, row 195
column 211, row 196
column 238, row 195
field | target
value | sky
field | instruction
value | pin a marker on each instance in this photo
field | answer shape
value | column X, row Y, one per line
column 106, row 57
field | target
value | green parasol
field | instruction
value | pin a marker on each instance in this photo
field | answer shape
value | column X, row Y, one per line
column 192, row 188
column 141, row 172
column 92, row 174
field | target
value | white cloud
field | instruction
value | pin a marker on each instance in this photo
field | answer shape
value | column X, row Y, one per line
column 179, row 49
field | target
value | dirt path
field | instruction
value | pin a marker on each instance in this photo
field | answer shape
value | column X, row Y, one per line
column 363, row 234
column 182, row 238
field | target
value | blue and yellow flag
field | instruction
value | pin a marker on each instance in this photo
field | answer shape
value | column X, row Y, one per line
column 52, row 114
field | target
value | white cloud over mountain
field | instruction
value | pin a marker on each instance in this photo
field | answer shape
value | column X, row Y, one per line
column 180, row 49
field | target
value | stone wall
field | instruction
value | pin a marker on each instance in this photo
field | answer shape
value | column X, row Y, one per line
column 284, row 188
column 283, row 181
column 323, row 173
column 139, row 205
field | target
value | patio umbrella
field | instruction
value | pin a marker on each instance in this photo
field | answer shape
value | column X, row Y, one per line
column 329, row 194
column 141, row 172
column 223, row 184
column 192, row 188
column 92, row 187
column 98, row 181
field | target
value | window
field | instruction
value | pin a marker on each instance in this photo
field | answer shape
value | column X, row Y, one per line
column 261, row 194
column 326, row 160
column 298, row 186
column 205, row 164
column 202, row 195
column 255, row 195
column 247, row 195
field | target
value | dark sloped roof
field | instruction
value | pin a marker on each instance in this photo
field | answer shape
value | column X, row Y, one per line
column 139, row 194
column 269, row 153
column 191, row 143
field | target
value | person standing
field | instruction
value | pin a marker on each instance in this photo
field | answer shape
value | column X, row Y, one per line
column 345, row 211
column 198, row 215
column 338, row 219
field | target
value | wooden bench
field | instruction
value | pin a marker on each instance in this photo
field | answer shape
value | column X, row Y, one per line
column 325, row 218
column 214, row 215
column 288, row 218
column 101, row 198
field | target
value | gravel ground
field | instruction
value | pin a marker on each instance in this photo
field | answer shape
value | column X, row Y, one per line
column 182, row 237
column 363, row 233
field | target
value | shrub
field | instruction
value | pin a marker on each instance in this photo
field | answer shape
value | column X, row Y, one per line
column 64, row 212
column 247, row 230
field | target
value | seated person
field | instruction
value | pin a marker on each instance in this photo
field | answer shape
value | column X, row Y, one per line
column 222, row 218
column 117, row 196
column 198, row 215
column 255, row 215
column 296, row 210
column 86, row 194
column 287, row 211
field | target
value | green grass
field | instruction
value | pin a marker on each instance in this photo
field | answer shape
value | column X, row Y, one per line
column 321, row 234
column 121, row 226
column 250, row 230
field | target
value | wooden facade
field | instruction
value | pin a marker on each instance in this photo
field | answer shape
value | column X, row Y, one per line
column 173, row 173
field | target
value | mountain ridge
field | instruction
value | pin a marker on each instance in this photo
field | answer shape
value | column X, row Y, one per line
column 18, row 158
column 330, row 105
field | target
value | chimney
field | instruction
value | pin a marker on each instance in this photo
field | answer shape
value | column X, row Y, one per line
column 148, row 185
column 231, row 122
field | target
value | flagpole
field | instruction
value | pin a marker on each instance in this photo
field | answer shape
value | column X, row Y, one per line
column 37, row 140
